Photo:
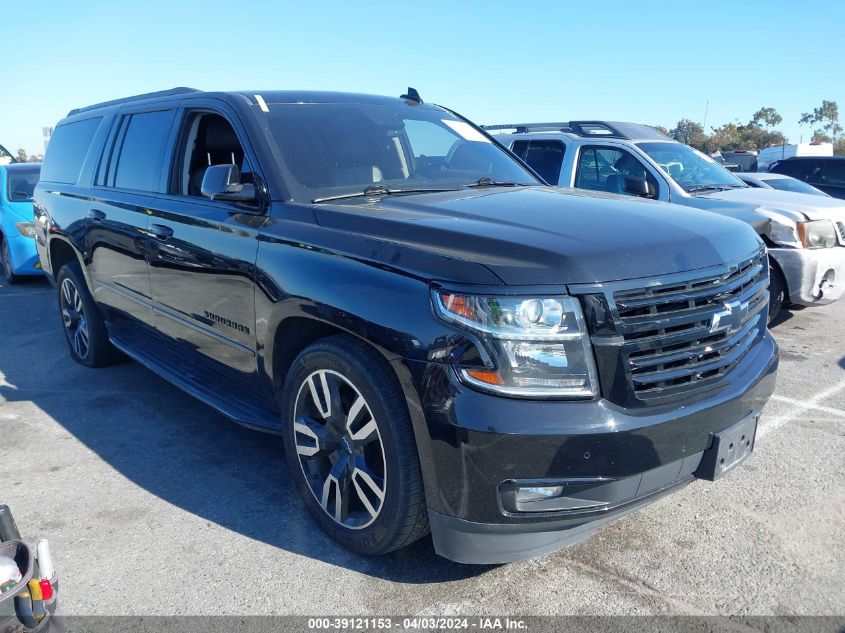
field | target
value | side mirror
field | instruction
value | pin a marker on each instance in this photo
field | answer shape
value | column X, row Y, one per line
column 639, row 187
column 222, row 182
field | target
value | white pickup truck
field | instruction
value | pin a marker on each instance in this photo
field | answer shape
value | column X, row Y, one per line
column 805, row 234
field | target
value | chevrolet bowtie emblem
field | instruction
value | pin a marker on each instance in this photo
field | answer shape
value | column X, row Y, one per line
column 730, row 318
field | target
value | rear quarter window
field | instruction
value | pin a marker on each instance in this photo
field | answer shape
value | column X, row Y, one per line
column 67, row 150
column 139, row 151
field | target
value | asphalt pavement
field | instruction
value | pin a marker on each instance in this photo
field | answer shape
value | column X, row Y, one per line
column 156, row 504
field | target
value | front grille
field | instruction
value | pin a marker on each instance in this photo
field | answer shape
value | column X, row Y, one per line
column 685, row 336
column 841, row 227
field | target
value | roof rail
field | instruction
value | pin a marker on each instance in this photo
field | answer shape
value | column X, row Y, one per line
column 529, row 127
column 602, row 129
column 147, row 95
column 596, row 128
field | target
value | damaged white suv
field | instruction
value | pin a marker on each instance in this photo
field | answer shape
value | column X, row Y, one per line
column 805, row 234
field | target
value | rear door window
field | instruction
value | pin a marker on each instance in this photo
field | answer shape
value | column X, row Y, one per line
column 66, row 152
column 831, row 173
column 138, row 152
column 544, row 156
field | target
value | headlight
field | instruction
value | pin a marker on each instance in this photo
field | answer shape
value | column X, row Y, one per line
column 27, row 229
column 817, row 234
column 784, row 234
column 539, row 344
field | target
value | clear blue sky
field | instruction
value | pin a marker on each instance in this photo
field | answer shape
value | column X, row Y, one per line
column 648, row 62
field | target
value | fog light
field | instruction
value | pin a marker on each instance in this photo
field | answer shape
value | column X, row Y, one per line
column 537, row 493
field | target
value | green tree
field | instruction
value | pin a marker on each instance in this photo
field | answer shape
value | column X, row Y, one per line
column 765, row 117
column 826, row 118
column 690, row 133
column 725, row 137
column 839, row 147
column 22, row 157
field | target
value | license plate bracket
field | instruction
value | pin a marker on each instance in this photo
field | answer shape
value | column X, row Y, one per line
column 730, row 448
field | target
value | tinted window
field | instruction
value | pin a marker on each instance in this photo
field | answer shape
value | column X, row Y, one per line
column 329, row 149
column 138, row 162
column 428, row 140
column 546, row 158
column 605, row 169
column 67, row 150
column 831, row 174
column 520, row 148
column 802, row 169
column 21, row 184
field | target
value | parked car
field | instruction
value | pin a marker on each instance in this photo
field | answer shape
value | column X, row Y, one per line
column 769, row 155
column 17, row 232
column 805, row 234
column 730, row 166
column 827, row 174
column 441, row 339
column 745, row 158
column 780, row 182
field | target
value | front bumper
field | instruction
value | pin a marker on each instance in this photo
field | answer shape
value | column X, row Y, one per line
column 25, row 259
column 813, row 277
column 479, row 446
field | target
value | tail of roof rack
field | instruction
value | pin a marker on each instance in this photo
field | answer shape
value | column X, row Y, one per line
column 147, row 95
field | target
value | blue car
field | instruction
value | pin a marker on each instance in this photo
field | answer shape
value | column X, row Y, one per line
column 17, row 233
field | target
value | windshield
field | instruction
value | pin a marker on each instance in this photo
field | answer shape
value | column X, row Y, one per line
column 21, row 184
column 792, row 184
column 333, row 149
column 691, row 169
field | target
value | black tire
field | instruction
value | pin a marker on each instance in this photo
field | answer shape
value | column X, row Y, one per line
column 401, row 516
column 6, row 260
column 778, row 296
column 79, row 313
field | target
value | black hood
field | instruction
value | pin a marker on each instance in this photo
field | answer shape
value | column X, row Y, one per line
column 541, row 235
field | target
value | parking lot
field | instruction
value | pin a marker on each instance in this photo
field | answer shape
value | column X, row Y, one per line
column 156, row 504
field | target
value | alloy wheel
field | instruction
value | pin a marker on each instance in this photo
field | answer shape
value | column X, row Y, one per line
column 73, row 318
column 340, row 449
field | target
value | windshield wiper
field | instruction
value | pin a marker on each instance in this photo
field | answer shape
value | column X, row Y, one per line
column 377, row 190
column 487, row 181
column 697, row 188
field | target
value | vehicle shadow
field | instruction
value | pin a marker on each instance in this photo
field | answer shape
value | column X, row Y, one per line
column 175, row 447
column 784, row 316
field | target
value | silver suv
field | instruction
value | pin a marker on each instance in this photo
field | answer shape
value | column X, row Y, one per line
column 805, row 234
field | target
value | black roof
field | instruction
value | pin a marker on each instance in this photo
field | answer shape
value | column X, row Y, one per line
column 269, row 96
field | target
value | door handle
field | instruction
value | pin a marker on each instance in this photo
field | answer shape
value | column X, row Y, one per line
column 160, row 231
column 96, row 215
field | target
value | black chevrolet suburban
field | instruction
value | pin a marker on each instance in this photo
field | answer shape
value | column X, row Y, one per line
column 444, row 343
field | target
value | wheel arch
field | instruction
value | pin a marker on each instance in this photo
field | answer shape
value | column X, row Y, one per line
column 60, row 252
column 296, row 332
